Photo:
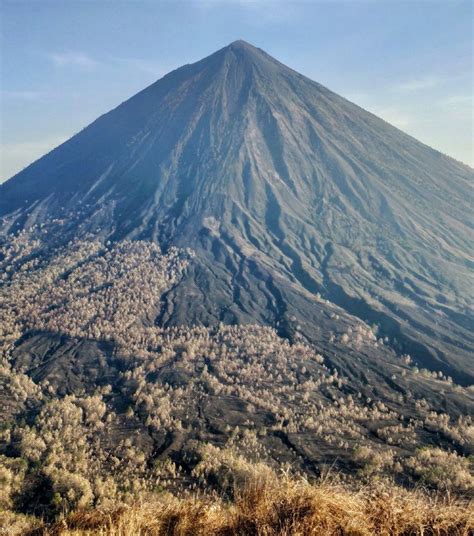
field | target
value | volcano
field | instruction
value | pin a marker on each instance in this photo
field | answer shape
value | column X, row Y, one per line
column 303, row 209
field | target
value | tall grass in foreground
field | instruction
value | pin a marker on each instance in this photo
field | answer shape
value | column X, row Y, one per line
column 277, row 507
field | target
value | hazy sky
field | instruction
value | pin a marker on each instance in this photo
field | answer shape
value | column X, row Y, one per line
column 66, row 62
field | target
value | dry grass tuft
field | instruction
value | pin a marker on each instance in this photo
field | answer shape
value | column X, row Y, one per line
column 285, row 507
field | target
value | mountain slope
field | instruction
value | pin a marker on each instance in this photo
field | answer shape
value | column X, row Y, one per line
column 284, row 190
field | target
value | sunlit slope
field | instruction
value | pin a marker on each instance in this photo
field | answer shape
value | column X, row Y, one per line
column 284, row 190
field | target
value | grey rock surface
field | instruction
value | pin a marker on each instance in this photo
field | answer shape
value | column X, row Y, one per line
column 289, row 194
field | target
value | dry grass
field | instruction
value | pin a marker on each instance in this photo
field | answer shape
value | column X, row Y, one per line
column 284, row 507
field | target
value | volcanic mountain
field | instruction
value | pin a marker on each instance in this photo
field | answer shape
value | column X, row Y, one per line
column 303, row 209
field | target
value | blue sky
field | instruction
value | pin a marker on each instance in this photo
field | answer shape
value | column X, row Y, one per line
column 66, row 62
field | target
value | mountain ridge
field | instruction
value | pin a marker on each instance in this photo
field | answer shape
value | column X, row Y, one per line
column 285, row 190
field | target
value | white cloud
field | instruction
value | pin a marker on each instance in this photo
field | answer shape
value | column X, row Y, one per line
column 16, row 156
column 78, row 59
column 394, row 116
column 357, row 97
column 418, row 84
column 24, row 95
column 457, row 101
column 140, row 64
column 259, row 11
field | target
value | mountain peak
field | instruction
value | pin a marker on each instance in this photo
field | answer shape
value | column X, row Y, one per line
column 244, row 49
column 269, row 177
column 241, row 44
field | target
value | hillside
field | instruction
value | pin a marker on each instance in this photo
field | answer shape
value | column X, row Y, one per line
column 99, row 404
column 237, row 259
column 284, row 190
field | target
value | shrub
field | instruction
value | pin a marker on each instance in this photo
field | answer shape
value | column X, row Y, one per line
column 373, row 462
column 441, row 469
